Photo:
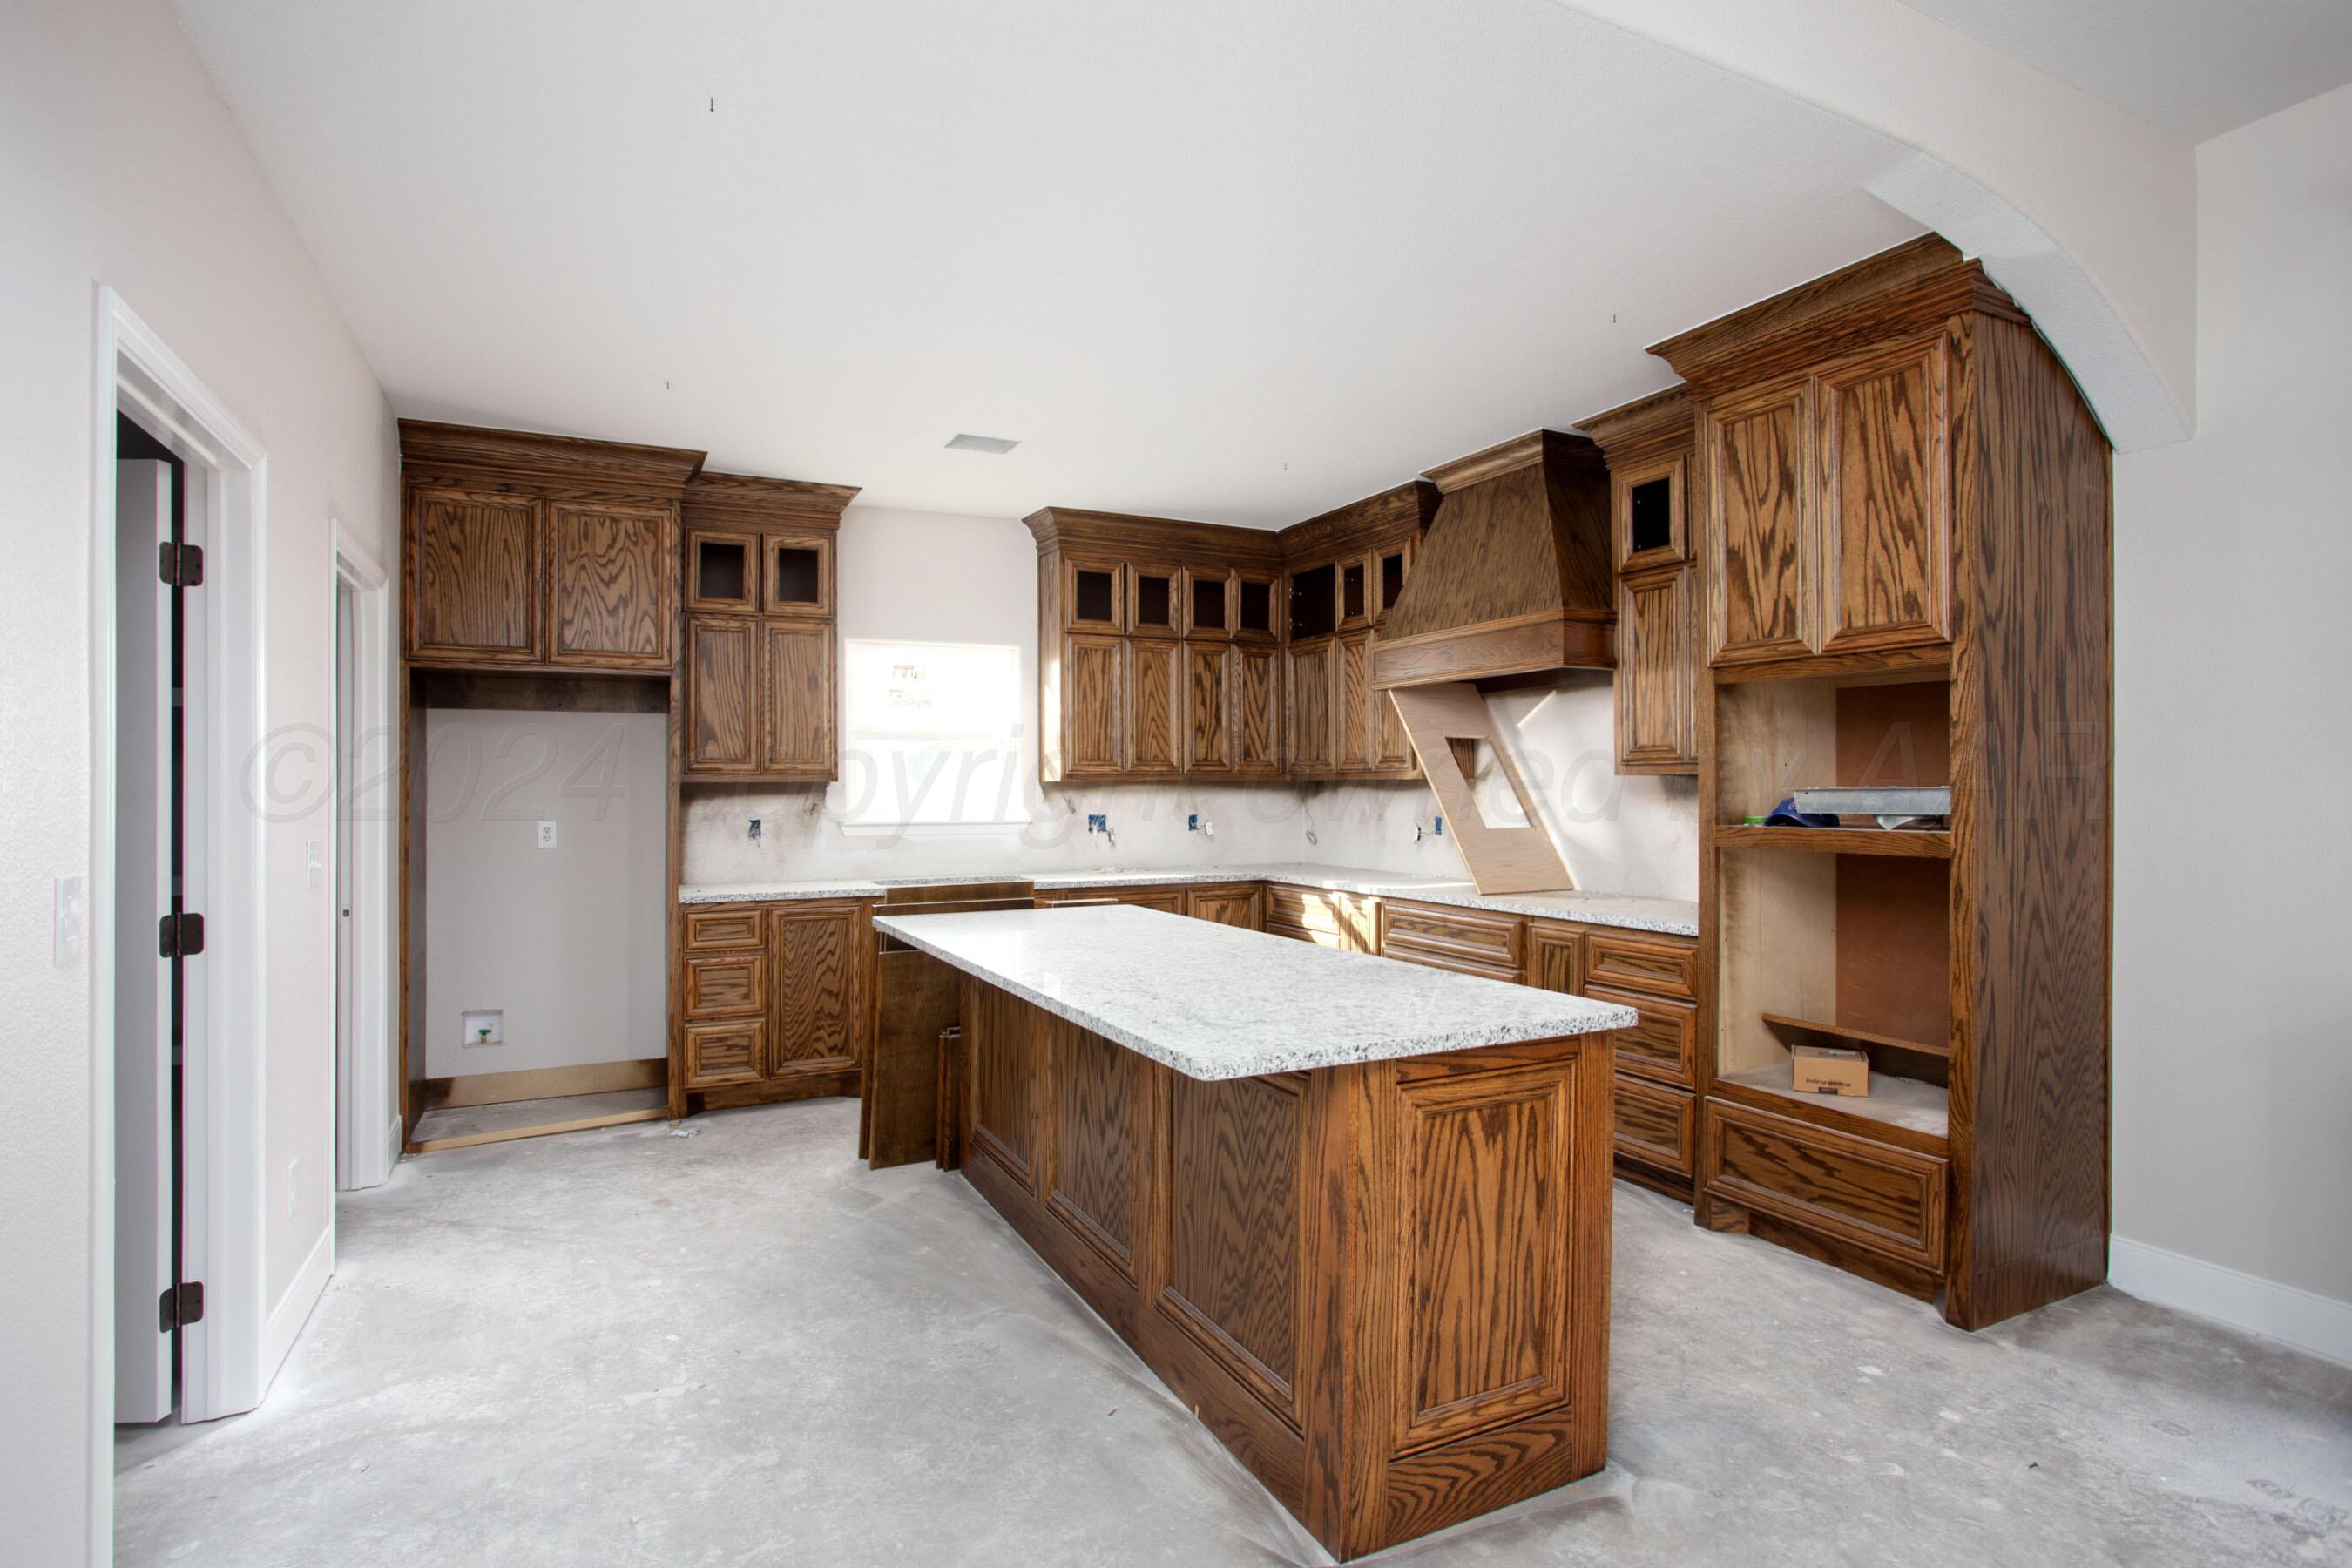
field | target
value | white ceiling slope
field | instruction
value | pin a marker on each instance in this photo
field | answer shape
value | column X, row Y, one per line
column 2195, row 68
column 1222, row 259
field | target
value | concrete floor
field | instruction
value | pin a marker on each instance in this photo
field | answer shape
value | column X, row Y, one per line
column 735, row 1346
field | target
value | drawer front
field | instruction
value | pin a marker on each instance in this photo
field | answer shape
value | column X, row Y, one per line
column 739, row 925
column 1664, row 1044
column 1889, row 1200
column 725, row 1052
column 1654, row 1125
column 1472, row 940
column 1343, row 920
column 726, row 985
column 1659, row 968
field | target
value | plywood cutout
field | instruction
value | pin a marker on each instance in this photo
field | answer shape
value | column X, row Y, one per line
column 1518, row 859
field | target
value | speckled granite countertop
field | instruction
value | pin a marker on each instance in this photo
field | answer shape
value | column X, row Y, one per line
column 1215, row 1001
column 1672, row 916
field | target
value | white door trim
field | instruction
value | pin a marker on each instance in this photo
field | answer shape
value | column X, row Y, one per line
column 367, row 1134
column 222, row 1363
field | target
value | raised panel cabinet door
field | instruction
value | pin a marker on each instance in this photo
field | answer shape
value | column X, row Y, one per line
column 1257, row 710
column 1208, row 708
column 1886, row 516
column 817, row 979
column 1393, row 751
column 1309, row 707
column 723, row 1052
column 796, row 679
column 1094, row 683
column 1354, row 737
column 1555, row 958
column 1657, row 678
column 721, row 569
column 722, row 695
column 1241, row 905
column 1152, row 744
column 1096, row 1181
column 614, row 571
column 473, row 578
column 1094, row 594
column 798, row 574
column 1761, row 594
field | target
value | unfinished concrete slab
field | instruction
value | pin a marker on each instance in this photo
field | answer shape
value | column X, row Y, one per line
column 731, row 1343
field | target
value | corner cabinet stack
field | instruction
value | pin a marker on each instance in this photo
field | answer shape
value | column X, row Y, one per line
column 548, row 573
column 1899, row 504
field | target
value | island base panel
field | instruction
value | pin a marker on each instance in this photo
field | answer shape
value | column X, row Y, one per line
column 1382, row 1287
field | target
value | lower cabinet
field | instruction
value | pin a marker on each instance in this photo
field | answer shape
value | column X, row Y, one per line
column 1658, row 1078
column 1239, row 904
column 1348, row 921
column 773, row 999
column 1868, row 1201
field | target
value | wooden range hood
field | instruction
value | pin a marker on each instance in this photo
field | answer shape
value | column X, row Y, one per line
column 1513, row 578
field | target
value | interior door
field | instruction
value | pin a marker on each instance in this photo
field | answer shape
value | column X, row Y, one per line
column 144, row 1164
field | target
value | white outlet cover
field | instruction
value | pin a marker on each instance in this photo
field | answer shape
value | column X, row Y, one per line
column 493, row 1020
column 547, row 833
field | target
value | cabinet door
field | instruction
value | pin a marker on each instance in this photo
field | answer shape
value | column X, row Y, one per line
column 1761, row 594
column 1309, row 701
column 1208, row 708
column 1395, row 752
column 723, row 694
column 1256, row 595
column 1355, row 737
column 1209, row 600
column 1555, row 958
column 1093, row 682
column 473, row 578
column 615, row 570
column 721, row 571
column 1094, row 594
column 1886, row 530
column 798, row 574
column 1356, row 587
column 1656, row 676
column 1242, row 906
column 1158, row 599
column 1151, row 688
column 727, row 1051
column 1257, row 710
column 815, row 959
column 796, row 680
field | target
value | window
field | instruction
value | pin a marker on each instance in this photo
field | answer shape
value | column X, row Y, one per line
column 934, row 735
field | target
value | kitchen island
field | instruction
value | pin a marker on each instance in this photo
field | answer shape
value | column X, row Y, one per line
column 1354, row 1212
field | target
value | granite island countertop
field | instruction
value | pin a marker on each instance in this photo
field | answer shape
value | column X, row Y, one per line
column 1676, row 916
column 1217, row 1002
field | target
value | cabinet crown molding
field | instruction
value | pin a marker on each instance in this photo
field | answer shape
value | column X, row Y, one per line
column 747, row 499
column 1663, row 419
column 1549, row 448
column 655, row 472
column 1912, row 287
column 1061, row 527
column 1404, row 510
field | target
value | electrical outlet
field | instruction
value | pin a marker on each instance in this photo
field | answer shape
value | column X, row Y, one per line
column 547, row 833
column 1192, row 823
column 755, row 828
column 485, row 1026
column 70, row 922
column 1097, row 823
column 1440, row 829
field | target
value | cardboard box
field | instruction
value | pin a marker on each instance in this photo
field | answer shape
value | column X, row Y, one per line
column 1828, row 1069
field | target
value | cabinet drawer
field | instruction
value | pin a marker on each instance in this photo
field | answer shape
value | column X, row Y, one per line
column 1471, row 941
column 1664, row 1044
column 1888, row 1200
column 726, row 1052
column 1659, row 968
column 1345, row 921
column 726, row 985
column 737, row 926
column 1654, row 1124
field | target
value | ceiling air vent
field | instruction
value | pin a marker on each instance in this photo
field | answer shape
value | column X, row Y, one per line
column 997, row 445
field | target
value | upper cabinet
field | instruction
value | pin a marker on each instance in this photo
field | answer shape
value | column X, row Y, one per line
column 1347, row 570
column 524, row 551
column 760, row 683
column 1824, row 463
column 1648, row 448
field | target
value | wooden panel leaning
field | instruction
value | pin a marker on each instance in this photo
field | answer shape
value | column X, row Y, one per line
column 1383, row 1287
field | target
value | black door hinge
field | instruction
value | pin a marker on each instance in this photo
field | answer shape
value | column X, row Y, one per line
column 181, row 936
column 181, row 1305
column 183, row 565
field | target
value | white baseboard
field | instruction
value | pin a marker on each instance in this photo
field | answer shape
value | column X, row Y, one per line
column 2309, row 1321
column 294, row 1307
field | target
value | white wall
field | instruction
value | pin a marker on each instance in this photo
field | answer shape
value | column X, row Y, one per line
column 2232, row 1004
column 119, row 165
column 567, row 941
column 930, row 577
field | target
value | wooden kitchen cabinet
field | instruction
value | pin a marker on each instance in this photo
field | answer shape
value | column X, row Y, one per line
column 529, row 552
column 1355, row 722
column 1648, row 445
column 1257, row 710
column 1306, row 707
column 761, row 680
column 1239, row 904
column 1155, row 682
column 1208, row 692
column 1093, row 706
column 773, row 1001
column 1763, row 580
